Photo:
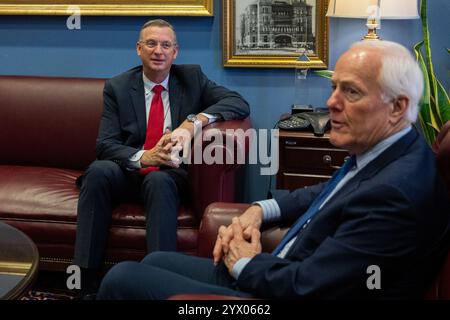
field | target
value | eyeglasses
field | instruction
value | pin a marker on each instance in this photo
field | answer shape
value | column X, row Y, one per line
column 152, row 44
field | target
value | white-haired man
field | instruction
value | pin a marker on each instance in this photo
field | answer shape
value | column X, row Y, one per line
column 385, row 211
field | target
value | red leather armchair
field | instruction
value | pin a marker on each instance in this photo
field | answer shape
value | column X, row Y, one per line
column 218, row 214
column 48, row 132
column 440, row 288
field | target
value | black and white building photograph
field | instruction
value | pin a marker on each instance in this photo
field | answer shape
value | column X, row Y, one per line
column 275, row 27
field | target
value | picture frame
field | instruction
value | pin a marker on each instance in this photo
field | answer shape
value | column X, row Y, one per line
column 275, row 34
column 108, row 7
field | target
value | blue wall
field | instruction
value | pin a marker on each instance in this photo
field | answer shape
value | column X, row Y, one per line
column 104, row 47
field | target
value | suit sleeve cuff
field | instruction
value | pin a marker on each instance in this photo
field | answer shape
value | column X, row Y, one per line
column 134, row 161
column 239, row 266
column 211, row 117
column 271, row 210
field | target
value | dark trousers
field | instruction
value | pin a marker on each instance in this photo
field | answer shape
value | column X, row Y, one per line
column 104, row 185
column 163, row 274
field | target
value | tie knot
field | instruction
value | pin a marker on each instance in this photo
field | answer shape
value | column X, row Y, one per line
column 158, row 89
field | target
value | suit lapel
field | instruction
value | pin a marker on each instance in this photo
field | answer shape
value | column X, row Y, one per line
column 392, row 153
column 137, row 95
column 175, row 97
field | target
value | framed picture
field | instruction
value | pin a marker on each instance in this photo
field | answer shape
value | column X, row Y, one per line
column 109, row 7
column 275, row 34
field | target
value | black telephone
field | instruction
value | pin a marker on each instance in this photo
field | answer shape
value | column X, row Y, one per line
column 318, row 120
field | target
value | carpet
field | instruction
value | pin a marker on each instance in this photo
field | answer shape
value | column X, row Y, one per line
column 48, row 295
column 50, row 285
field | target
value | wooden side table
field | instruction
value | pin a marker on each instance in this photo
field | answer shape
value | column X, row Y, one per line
column 306, row 159
column 19, row 261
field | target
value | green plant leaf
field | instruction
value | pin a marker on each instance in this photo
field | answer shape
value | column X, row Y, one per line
column 434, row 105
column 430, row 77
column 427, row 130
column 426, row 40
column 426, row 114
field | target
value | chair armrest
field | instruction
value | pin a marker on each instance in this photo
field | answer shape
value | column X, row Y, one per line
column 220, row 213
column 216, row 214
column 216, row 182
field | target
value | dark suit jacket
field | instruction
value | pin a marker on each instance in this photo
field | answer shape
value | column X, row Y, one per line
column 394, row 214
column 123, row 122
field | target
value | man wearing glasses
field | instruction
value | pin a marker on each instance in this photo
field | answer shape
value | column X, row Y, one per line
column 149, row 112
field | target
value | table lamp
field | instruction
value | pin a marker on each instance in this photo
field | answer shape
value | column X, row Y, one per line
column 373, row 11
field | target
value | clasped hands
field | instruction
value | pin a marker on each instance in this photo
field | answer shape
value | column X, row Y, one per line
column 240, row 239
column 167, row 150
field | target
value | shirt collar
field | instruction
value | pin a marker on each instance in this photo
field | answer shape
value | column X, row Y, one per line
column 363, row 159
column 148, row 84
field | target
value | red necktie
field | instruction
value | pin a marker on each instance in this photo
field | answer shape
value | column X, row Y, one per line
column 155, row 124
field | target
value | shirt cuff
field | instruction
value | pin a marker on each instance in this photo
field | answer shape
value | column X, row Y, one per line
column 239, row 266
column 134, row 162
column 211, row 118
column 271, row 210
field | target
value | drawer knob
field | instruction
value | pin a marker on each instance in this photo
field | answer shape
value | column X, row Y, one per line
column 328, row 160
column 290, row 143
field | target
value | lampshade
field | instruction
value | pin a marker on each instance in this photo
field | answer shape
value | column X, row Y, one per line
column 388, row 9
column 373, row 10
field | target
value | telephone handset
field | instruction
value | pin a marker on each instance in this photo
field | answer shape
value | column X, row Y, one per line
column 319, row 120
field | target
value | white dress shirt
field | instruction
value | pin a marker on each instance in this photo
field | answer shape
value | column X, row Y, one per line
column 134, row 161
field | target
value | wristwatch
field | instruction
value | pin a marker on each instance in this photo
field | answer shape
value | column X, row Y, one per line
column 193, row 118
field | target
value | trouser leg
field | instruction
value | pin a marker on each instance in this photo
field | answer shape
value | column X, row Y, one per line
column 103, row 183
column 164, row 274
column 162, row 192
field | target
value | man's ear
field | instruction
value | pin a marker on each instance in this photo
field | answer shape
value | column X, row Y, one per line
column 138, row 49
column 400, row 107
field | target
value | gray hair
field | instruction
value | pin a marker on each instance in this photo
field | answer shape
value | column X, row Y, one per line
column 157, row 23
column 400, row 74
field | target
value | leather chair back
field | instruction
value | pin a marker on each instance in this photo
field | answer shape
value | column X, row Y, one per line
column 441, row 286
column 442, row 149
column 68, row 140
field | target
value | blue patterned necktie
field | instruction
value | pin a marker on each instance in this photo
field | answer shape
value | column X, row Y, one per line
column 314, row 207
